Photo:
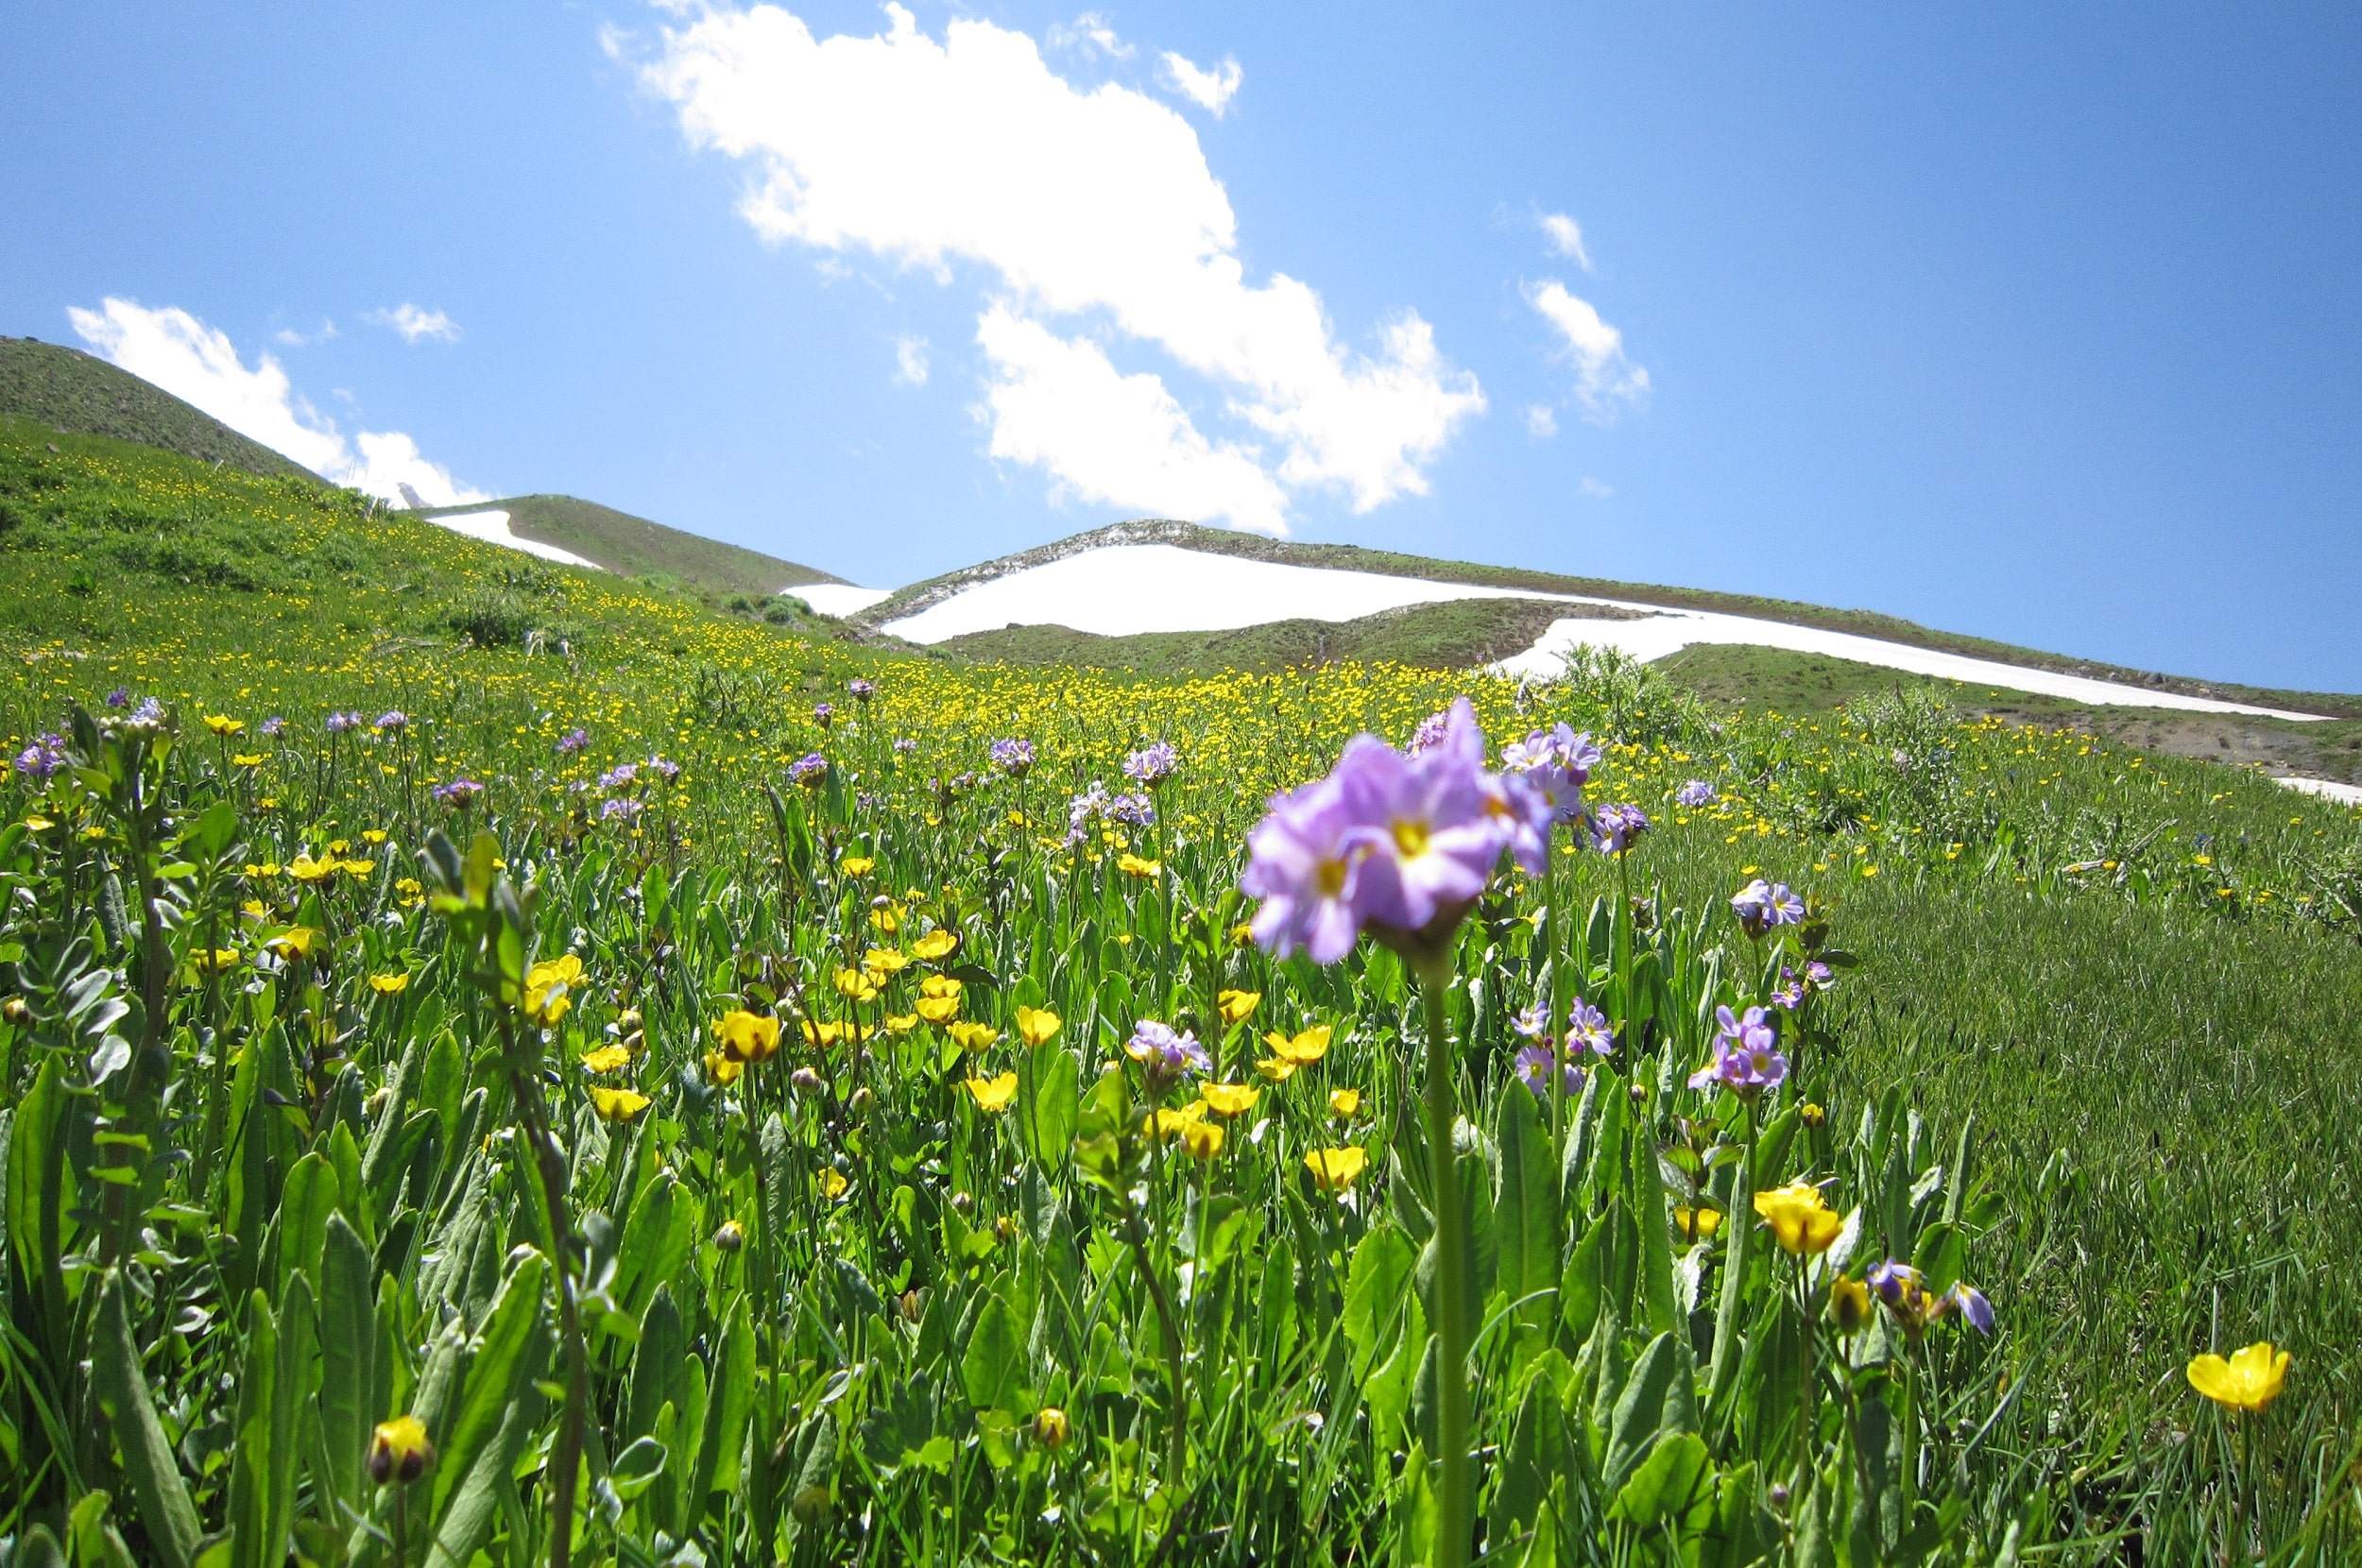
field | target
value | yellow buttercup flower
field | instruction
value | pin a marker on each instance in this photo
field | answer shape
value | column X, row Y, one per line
column 1276, row 1068
column 306, row 869
column 1036, row 1026
column 1346, row 1102
column 2248, row 1381
column 832, row 1184
column 606, row 1059
column 722, row 1070
column 900, row 1023
column 854, row 985
column 749, row 1036
column 1237, row 1007
column 881, row 962
column 992, row 1095
column 1849, row 1303
column 389, row 985
column 1203, row 1140
column 935, row 945
column 887, row 917
column 618, row 1104
column 247, row 760
column 1170, row 1123
column 1132, row 866
column 1337, row 1170
column 857, row 865
column 1696, row 1225
column 221, row 724
column 550, row 986
column 1303, row 1048
column 1801, row 1221
column 971, row 1037
column 399, row 1451
column 295, row 942
column 1231, row 1100
column 938, row 998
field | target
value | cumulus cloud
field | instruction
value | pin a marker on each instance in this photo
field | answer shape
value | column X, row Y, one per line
column 199, row 364
column 1210, row 89
column 1090, row 31
column 1564, row 236
column 414, row 323
column 1603, row 377
column 909, row 362
column 1541, row 421
column 1094, row 220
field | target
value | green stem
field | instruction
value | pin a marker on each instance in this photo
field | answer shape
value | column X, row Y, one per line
column 1454, row 1498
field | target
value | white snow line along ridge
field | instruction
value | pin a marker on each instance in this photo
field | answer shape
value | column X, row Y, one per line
column 492, row 528
column 1121, row 590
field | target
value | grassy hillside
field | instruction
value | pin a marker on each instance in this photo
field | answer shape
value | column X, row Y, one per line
column 306, row 1152
column 1454, row 636
column 65, row 389
column 635, row 547
column 918, row 596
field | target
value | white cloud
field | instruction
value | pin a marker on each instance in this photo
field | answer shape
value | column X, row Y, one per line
column 1058, row 403
column 1093, row 204
column 909, row 362
column 1090, row 31
column 414, row 323
column 1541, row 421
column 1592, row 488
column 293, row 339
column 1564, row 237
column 1210, row 89
column 199, row 364
column 1603, row 377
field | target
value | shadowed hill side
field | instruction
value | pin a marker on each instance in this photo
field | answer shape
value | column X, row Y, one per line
column 635, row 547
column 72, row 392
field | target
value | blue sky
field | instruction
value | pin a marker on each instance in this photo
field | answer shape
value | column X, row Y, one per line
column 2034, row 325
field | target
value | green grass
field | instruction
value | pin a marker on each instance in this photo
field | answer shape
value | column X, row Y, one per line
column 64, row 389
column 1457, row 635
column 2120, row 983
column 634, row 547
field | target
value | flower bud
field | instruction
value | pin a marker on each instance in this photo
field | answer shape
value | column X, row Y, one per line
column 962, row 1203
column 911, row 1305
column 731, row 1236
column 1051, row 1427
column 399, row 1451
column 1779, row 1494
column 806, row 1081
column 15, row 1011
column 1004, row 1227
column 1849, row 1305
column 1639, row 1094
column 810, row 1505
column 863, row 1098
column 1812, row 1116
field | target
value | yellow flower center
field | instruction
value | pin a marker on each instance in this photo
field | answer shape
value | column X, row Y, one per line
column 1411, row 839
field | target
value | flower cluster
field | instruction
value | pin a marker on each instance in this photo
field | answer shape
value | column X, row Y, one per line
column 1746, row 1058
column 1014, row 757
column 1151, row 765
column 42, row 759
column 1762, row 905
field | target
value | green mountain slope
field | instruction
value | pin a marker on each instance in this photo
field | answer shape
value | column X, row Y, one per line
column 635, row 547
column 918, row 596
column 67, row 390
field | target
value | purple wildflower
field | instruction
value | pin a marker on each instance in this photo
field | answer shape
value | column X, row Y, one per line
column 1746, row 1058
column 149, row 714
column 621, row 809
column 1817, row 975
column 1534, row 1023
column 810, row 770
column 459, row 795
column 1132, row 811
column 573, row 742
column 392, row 722
column 339, row 722
column 1694, row 793
column 1892, row 1281
column 1087, row 807
column 1792, row 992
column 1533, row 1067
column 904, row 746
column 1970, row 1304
column 42, row 759
column 1014, row 757
column 1615, row 828
column 1586, row 1026
column 1165, row 1054
column 665, row 771
column 1431, row 818
column 119, row 697
column 822, row 713
column 1151, row 765
column 273, row 726
column 862, row 691
column 620, row 776
column 1304, row 861
column 1762, row 905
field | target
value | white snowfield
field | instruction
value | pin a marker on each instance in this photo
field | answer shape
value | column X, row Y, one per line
column 838, row 599
column 1117, row 590
column 492, row 528
column 2328, row 789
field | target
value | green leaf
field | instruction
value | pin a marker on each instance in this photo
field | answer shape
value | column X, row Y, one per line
column 1376, row 1285
column 309, row 1197
column 1581, row 1288
column 728, row 1406
column 1659, row 1313
column 1674, row 1485
column 658, row 1236
column 1388, row 1385
column 1526, row 1217
column 1656, row 1400
column 1057, row 1104
column 655, row 1361
column 157, row 1487
column 635, row 1468
column 1941, row 1256
column 250, row 1542
column 993, row 1368
column 349, row 1335
column 504, row 1364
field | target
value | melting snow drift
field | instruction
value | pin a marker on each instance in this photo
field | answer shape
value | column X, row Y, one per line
column 492, row 528
column 838, row 599
column 1118, row 590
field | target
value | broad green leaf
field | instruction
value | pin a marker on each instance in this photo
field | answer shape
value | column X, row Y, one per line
column 148, row 1462
column 993, row 1368
column 349, row 1336
column 252, row 1544
column 309, row 1197
column 1388, row 1385
column 1525, row 1211
column 1658, row 1311
column 1656, row 1400
column 728, row 1406
column 496, row 1376
column 1583, row 1285
column 1674, row 1487
column 656, row 1361
column 1057, row 1104
column 1377, row 1287
column 1941, row 1256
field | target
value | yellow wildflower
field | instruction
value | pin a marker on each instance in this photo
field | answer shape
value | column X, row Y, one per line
column 1801, row 1221
column 1237, row 1007
column 295, row 942
column 2248, row 1381
column 618, row 1104
column 832, row 1184
column 1696, row 1225
column 971, row 1037
column 1231, row 1100
column 1203, row 1140
column 221, row 724
column 1036, row 1026
column 747, row 1036
column 881, row 962
column 857, row 865
column 900, row 1023
column 399, row 1451
column 247, row 760
column 1276, row 1068
column 722, row 1069
column 1132, row 866
column 389, row 985
column 606, row 1057
column 1302, row 1049
column 992, row 1095
column 938, row 998
column 1337, row 1170
column 854, row 985
column 936, row 944
column 550, row 986
column 1346, row 1102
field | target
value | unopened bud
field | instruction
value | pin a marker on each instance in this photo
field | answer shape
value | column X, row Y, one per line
column 806, row 1081
column 1812, row 1116
column 962, row 1203
column 911, row 1306
column 810, row 1505
column 15, row 1011
column 730, row 1237
column 1779, row 1494
column 1641, row 1094
column 399, row 1451
column 863, row 1098
column 1051, row 1427
column 1004, row 1227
